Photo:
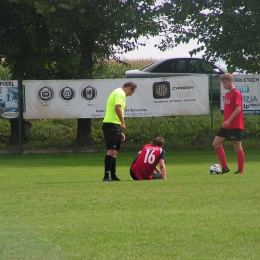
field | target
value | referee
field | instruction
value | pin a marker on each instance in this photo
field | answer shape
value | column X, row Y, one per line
column 113, row 127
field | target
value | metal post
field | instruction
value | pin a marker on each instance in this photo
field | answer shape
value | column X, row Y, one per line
column 20, row 91
column 211, row 106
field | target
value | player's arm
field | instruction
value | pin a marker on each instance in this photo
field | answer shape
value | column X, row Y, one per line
column 120, row 115
column 157, row 170
column 233, row 115
column 163, row 169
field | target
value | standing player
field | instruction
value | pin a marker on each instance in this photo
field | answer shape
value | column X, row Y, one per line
column 145, row 163
column 114, row 125
column 232, row 125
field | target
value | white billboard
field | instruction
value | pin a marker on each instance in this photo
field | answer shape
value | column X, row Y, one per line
column 249, row 86
column 87, row 98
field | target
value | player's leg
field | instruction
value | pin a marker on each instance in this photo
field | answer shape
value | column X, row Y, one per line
column 132, row 174
column 109, row 160
column 113, row 170
column 217, row 144
column 115, row 141
column 240, row 156
column 157, row 176
column 109, row 136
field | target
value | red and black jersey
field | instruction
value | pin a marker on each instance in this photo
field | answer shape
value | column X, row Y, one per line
column 233, row 99
column 145, row 162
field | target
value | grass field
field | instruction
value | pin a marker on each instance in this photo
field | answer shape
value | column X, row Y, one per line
column 54, row 206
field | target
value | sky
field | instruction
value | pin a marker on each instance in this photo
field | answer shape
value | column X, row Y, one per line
column 149, row 51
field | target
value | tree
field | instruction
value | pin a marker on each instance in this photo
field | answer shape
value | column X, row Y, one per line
column 224, row 29
column 50, row 38
column 24, row 39
column 21, row 40
column 97, row 29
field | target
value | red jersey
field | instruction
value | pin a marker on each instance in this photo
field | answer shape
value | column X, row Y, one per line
column 233, row 99
column 145, row 163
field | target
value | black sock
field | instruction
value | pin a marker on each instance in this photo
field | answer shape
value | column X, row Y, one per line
column 108, row 163
column 113, row 167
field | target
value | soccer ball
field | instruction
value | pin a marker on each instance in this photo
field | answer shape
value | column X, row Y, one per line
column 215, row 169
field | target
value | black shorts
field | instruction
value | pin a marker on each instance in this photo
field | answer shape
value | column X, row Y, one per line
column 230, row 134
column 132, row 175
column 112, row 135
column 157, row 175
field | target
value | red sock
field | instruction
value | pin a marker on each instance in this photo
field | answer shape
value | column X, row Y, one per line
column 240, row 160
column 222, row 157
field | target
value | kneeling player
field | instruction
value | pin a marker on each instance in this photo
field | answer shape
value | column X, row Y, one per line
column 145, row 163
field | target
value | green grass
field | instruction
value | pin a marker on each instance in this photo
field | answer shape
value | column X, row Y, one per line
column 54, row 206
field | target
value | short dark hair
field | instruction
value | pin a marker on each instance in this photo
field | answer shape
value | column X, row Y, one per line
column 130, row 84
column 159, row 141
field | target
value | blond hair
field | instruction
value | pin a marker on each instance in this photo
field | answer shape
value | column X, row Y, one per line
column 226, row 76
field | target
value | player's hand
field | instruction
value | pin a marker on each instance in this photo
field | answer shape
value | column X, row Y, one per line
column 225, row 124
column 122, row 137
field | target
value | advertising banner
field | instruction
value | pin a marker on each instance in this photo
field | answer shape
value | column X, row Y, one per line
column 9, row 99
column 249, row 86
column 87, row 98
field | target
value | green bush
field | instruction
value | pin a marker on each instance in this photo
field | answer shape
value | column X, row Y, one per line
column 57, row 132
column 5, row 131
column 116, row 68
column 4, row 73
column 177, row 131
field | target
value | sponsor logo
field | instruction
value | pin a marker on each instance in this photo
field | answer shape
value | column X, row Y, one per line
column 183, row 88
column 243, row 89
column 245, row 79
column 45, row 94
column 161, row 90
column 250, row 99
column 88, row 92
column 227, row 101
column 10, row 114
column 7, row 84
column 67, row 93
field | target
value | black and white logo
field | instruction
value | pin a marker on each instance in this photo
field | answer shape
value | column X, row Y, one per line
column 88, row 92
column 45, row 94
column 161, row 90
column 66, row 93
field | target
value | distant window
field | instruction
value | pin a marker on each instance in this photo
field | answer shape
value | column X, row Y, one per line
column 171, row 66
column 207, row 67
column 195, row 67
column 181, row 66
column 200, row 66
column 166, row 67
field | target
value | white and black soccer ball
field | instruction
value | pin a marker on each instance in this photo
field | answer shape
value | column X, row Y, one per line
column 215, row 169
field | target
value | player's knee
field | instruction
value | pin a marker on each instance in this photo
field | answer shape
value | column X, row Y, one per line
column 216, row 144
